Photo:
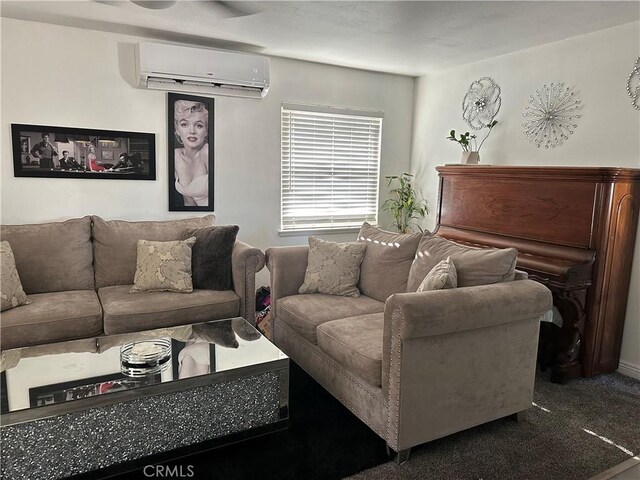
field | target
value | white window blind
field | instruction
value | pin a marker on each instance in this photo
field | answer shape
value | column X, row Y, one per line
column 330, row 167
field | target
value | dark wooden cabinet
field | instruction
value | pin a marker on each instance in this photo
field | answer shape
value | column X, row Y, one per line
column 574, row 228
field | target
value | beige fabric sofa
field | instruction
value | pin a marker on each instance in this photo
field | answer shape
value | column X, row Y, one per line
column 420, row 365
column 78, row 273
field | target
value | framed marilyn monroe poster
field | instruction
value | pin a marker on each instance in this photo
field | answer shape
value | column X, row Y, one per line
column 191, row 164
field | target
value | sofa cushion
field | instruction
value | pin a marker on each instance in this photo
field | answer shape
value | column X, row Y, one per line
column 474, row 266
column 356, row 343
column 164, row 266
column 52, row 317
column 11, row 292
column 115, row 244
column 333, row 268
column 52, row 257
column 132, row 312
column 211, row 259
column 442, row 276
column 387, row 261
column 303, row 313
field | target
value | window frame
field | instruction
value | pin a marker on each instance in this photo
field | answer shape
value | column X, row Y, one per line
column 349, row 114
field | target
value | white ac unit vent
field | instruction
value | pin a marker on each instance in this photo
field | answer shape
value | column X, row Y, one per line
column 198, row 70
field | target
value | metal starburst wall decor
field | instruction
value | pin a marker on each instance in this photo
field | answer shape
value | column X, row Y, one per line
column 481, row 103
column 551, row 114
column 633, row 85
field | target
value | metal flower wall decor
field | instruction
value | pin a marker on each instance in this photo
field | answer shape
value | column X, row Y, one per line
column 481, row 103
column 633, row 85
column 551, row 114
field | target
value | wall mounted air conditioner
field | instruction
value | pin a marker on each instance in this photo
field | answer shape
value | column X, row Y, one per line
column 198, row 70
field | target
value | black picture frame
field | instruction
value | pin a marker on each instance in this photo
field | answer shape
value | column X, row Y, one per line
column 134, row 153
column 195, row 159
column 87, row 387
column 4, row 397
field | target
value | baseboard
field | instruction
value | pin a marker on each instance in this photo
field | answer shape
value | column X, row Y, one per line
column 629, row 369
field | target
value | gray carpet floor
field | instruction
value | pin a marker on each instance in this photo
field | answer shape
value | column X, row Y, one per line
column 550, row 443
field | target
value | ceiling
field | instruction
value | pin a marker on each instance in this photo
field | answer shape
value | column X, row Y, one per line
column 410, row 38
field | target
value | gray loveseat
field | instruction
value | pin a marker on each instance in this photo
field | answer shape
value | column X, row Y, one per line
column 78, row 274
column 416, row 366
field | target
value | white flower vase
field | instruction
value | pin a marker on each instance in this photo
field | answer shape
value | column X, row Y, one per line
column 470, row 158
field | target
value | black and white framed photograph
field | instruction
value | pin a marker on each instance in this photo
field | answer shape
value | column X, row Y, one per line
column 68, row 152
column 192, row 358
column 87, row 387
column 191, row 163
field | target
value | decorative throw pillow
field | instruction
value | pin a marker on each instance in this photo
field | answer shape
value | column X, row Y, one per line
column 333, row 268
column 442, row 276
column 211, row 256
column 164, row 266
column 474, row 266
column 11, row 292
column 387, row 261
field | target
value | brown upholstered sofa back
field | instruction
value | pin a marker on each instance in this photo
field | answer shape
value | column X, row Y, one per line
column 62, row 256
column 53, row 257
column 114, row 244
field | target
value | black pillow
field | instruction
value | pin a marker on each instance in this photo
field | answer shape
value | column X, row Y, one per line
column 211, row 256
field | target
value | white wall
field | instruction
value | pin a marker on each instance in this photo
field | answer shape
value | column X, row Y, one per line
column 53, row 75
column 608, row 134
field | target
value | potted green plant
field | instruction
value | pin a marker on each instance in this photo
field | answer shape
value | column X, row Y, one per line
column 404, row 206
column 469, row 144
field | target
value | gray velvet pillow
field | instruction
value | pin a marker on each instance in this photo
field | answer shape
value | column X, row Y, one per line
column 474, row 266
column 221, row 333
column 211, row 256
column 441, row 277
column 333, row 268
column 387, row 261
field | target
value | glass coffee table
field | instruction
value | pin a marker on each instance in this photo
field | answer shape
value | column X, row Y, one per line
column 85, row 405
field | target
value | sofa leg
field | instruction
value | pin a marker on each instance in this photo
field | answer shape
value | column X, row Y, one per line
column 399, row 457
column 518, row 416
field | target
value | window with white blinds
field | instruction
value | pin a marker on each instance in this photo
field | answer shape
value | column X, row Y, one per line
column 330, row 167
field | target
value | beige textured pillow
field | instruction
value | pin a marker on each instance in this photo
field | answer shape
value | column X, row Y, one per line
column 474, row 266
column 387, row 261
column 164, row 266
column 442, row 276
column 333, row 268
column 11, row 292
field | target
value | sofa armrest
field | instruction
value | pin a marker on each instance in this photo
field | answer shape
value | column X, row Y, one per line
column 440, row 312
column 287, row 267
column 246, row 261
column 521, row 275
column 453, row 359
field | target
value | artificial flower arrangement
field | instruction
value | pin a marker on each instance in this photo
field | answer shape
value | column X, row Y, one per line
column 468, row 142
